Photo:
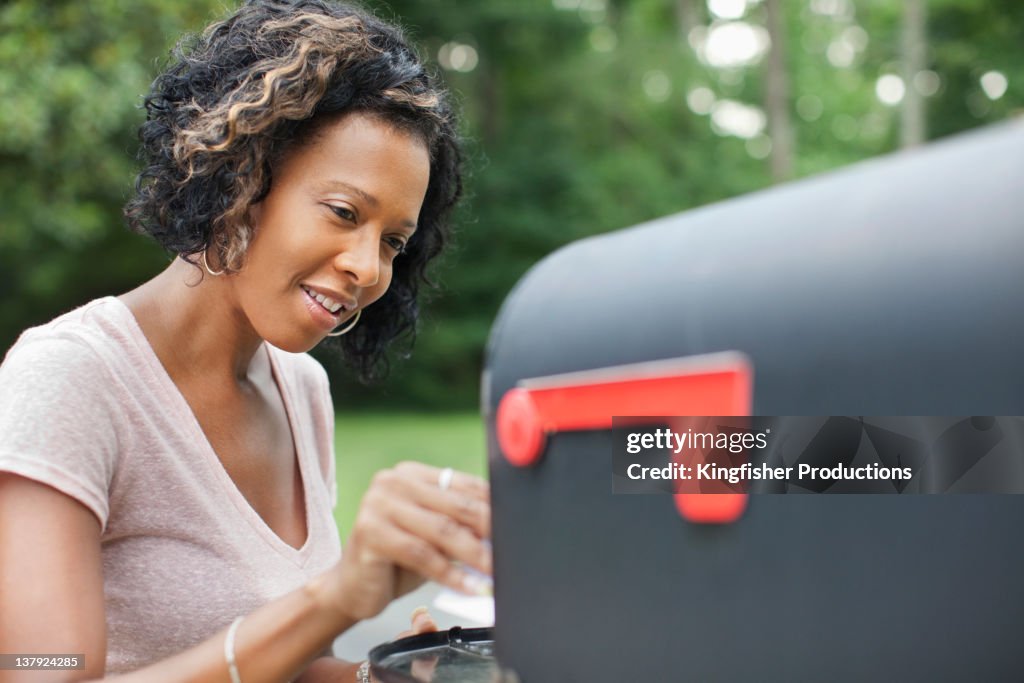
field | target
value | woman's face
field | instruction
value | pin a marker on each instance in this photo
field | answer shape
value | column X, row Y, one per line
column 339, row 211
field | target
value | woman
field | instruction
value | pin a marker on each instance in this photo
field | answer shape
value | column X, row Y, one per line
column 166, row 465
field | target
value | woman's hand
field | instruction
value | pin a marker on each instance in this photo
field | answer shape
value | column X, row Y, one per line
column 420, row 622
column 408, row 529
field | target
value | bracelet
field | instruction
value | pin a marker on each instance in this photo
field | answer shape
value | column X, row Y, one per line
column 363, row 673
column 229, row 650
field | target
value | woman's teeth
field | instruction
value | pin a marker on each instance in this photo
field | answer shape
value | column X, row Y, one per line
column 325, row 301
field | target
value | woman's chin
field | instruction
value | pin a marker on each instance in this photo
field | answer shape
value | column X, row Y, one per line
column 293, row 343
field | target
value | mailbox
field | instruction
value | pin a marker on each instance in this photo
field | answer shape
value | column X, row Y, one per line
column 894, row 287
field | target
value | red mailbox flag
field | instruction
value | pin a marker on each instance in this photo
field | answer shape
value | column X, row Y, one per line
column 718, row 384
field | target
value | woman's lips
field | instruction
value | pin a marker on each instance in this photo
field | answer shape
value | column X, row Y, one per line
column 321, row 316
column 326, row 300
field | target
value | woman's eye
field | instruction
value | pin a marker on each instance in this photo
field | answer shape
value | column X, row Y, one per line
column 395, row 243
column 344, row 213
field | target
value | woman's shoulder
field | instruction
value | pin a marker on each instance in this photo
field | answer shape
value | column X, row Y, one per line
column 61, row 409
column 78, row 341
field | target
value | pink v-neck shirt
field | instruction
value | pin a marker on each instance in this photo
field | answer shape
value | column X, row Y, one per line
column 87, row 408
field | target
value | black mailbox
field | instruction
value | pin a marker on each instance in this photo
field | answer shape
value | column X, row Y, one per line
column 895, row 287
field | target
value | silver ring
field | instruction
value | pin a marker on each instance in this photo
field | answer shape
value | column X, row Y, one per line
column 444, row 480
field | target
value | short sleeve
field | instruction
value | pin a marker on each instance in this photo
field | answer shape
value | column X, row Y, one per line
column 57, row 419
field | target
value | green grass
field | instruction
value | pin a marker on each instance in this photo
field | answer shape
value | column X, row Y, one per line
column 367, row 442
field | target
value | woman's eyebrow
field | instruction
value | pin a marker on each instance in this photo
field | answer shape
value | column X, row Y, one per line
column 330, row 184
column 327, row 185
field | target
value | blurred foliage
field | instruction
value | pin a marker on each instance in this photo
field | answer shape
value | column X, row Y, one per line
column 70, row 88
column 576, row 117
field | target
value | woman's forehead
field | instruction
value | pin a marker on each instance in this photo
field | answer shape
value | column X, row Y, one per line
column 362, row 156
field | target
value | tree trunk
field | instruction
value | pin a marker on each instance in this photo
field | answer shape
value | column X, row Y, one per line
column 776, row 95
column 913, row 126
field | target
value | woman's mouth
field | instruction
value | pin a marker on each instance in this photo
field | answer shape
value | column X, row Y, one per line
column 326, row 313
column 326, row 302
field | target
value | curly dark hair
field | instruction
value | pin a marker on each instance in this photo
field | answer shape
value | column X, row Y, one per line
column 256, row 84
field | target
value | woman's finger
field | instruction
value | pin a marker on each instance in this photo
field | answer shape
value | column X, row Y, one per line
column 455, row 540
column 382, row 538
column 460, row 482
column 422, row 621
column 468, row 509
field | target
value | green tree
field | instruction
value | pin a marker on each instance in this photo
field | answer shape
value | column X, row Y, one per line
column 71, row 84
column 581, row 116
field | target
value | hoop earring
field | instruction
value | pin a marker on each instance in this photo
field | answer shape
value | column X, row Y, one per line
column 206, row 265
column 348, row 327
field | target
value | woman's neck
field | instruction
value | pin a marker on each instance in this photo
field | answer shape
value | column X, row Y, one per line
column 194, row 325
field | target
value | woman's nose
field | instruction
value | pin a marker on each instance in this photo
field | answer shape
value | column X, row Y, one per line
column 360, row 258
